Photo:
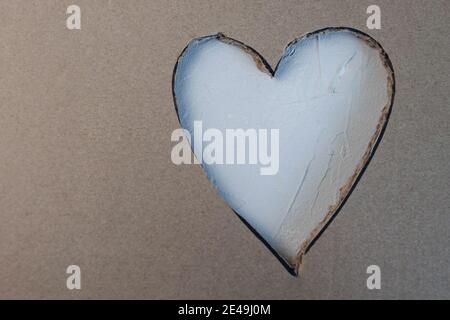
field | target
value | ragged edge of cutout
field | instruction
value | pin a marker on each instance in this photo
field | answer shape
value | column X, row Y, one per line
column 292, row 264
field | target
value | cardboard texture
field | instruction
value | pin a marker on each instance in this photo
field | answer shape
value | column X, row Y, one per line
column 86, row 177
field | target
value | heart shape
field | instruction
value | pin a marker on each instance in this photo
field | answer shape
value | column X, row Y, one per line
column 330, row 97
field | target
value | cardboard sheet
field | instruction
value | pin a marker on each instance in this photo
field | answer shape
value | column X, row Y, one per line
column 86, row 177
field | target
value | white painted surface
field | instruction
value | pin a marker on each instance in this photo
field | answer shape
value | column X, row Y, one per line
column 326, row 99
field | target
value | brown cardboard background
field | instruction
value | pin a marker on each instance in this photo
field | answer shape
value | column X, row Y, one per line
column 86, row 176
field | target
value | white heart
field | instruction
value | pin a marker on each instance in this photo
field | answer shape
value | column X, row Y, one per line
column 330, row 97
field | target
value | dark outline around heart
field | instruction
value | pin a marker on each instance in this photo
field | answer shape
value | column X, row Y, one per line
column 294, row 263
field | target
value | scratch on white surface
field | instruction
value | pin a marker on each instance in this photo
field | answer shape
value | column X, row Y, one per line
column 340, row 73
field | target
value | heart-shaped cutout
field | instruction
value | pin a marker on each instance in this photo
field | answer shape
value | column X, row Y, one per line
column 329, row 98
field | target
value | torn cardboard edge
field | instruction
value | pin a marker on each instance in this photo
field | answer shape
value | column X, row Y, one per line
column 293, row 264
